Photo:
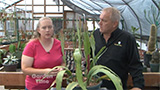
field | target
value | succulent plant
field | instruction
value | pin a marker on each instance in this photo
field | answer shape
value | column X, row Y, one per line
column 152, row 39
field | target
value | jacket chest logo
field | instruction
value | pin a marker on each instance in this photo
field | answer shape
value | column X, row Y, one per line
column 119, row 43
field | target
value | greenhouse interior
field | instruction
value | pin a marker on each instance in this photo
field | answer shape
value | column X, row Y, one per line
column 75, row 22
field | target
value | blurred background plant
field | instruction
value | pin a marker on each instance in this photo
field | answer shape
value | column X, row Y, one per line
column 153, row 17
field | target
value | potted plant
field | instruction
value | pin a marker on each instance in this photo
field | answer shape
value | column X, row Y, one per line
column 18, row 52
column 153, row 52
column 2, row 54
column 155, row 61
column 10, row 61
column 80, row 80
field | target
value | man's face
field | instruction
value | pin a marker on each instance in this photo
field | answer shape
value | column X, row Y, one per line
column 106, row 24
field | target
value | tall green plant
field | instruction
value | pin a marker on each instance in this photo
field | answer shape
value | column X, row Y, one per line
column 153, row 17
column 91, row 68
column 152, row 39
column 62, row 45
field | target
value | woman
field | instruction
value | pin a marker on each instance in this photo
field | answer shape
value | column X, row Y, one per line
column 40, row 55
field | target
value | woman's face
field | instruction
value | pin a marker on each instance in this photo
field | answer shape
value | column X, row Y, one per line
column 46, row 29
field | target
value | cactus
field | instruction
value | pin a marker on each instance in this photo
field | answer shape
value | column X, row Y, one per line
column 152, row 39
column 12, row 48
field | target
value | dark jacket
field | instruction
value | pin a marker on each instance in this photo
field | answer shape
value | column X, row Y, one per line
column 122, row 57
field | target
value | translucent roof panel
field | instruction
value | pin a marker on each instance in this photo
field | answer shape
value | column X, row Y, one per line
column 6, row 3
column 137, row 13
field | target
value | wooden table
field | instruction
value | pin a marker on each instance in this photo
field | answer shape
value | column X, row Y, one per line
column 152, row 81
column 16, row 80
column 12, row 80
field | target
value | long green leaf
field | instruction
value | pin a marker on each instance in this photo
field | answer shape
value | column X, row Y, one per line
column 19, row 45
column 87, row 50
column 79, row 34
column 65, row 68
column 113, row 76
column 100, row 53
column 97, row 67
column 52, row 85
column 86, row 44
column 114, row 79
column 59, row 79
column 59, row 76
column 77, row 58
column 92, row 42
column 71, row 86
column 62, row 46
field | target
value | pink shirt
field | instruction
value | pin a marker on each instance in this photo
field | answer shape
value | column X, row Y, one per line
column 42, row 59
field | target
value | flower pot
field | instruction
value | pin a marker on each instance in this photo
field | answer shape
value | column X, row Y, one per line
column 95, row 87
column 19, row 64
column 154, row 67
column 147, row 59
column 144, row 69
column 10, row 68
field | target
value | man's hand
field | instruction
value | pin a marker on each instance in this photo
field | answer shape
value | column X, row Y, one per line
column 135, row 89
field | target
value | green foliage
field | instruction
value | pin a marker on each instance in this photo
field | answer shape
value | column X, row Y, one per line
column 153, row 17
column 12, row 48
column 77, row 79
column 19, row 49
column 152, row 39
column 79, row 76
column 2, row 54
column 14, row 54
column 10, row 60
column 62, row 45
column 134, row 29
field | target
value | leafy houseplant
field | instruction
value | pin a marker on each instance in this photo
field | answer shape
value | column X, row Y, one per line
column 11, row 61
column 80, row 78
column 2, row 54
column 18, row 52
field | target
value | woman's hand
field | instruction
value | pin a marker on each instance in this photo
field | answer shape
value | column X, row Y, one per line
column 135, row 89
column 53, row 72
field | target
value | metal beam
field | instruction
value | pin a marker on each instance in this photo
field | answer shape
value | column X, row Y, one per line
column 13, row 4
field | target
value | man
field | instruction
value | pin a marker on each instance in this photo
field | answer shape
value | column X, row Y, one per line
column 122, row 54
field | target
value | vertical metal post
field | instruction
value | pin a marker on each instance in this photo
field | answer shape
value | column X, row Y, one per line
column 17, row 28
column 16, row 24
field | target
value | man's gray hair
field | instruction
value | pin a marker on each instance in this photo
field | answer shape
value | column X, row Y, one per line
column 115, row 13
